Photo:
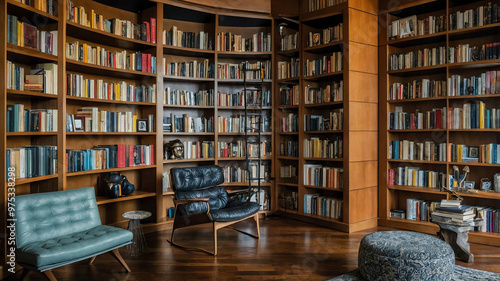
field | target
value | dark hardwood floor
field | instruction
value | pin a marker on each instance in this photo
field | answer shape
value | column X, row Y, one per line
column 287, row 250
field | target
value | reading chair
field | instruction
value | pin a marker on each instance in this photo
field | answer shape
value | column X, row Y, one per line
column 199, row 199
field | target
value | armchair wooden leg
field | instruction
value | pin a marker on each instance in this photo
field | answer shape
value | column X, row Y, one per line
column 92, row 260
column 256, row 218
column 119, row 258
column 215, row 239
column 25, row 274
column 49, row 275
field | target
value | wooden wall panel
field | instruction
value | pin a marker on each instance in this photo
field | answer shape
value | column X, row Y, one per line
column 358, row 54
column 363, row 146
column 363, row 174
column 363, row 27
column 363, row 204
column 369, row 6
column 260, row 6
column 363, row 87
column 363, row 116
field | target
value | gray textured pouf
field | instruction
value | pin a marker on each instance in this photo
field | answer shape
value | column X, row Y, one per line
column 404, row 255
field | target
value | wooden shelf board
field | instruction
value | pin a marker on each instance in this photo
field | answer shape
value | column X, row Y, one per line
column 267, row 158
column 243, row 108
column 26, row 94
column 334, row 10
column 473, row 32
column 288, row 107
column 84, row 173
column 288, row 184
column 417, row 100
column 419, row 70
column 265, row 184
column 324, row 159
column 418, row 40
column 323, row 188
column 325, row 218
column 188, row 106
column 416, row 131
column 111, row 133
column 288, row 210
column 289, row 53
column 188, row 160
column 323, row 47
column 182, row 78
column 30, row 12
column 323, row 76
column 475, row 96
column 223, row 54
column 475, row 130
column 474, row 64
column 109, row 101
column 291, row 80
column 187, row 134
column 25, row 134
column 401, row 223
column 35, row 179
column 325, row 132
column 189, row 52
column 28, row 55
column 417, row 161
column 420, row 189
column 287, row 158
column 411, row 4
column 240, row 81
column 474, row 164
column 168, row 193
column 98, row 36
column 138, row 194
column 242, row 134
column 73, row 65
column 324, row 104
column 481, row 194
column 288, row 133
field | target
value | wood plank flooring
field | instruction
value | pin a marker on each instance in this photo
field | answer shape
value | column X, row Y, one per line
column 287, row 250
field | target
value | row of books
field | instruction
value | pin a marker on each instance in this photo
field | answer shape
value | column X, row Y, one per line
column 484, row 153
column 238, row 99
column 314, row 5
column 32, row 161
column 236, row 124
column 41, row 5
column 315, row 204
column 334, row 121
column 109, row 157
column 26, row 35
column 326, row 64
column 289, row 148
column 259, row 174
column 473, row 116
column 289, row 200
column 289, row 42
column 189, row 98
column 198, row 150
column 289, row 96
column 20, row 119
column 194, row 69
column 288, row 172
column 237, row 149
column 484, row 84
column 289, row 69
column 187, row 124
column 319, row 175
column 289, row 123
column 432, row 119
column 420, row 58
column 237, row 174
column 146, row 31
column 77, row 86
column 413, row 176
column 467, row 53
column 261, row 197
column 258, row 42
column 116, row 59
column 327, row 148
column 235, row 70
column 417, row 89
column 419, row 210
column 91, row 119
column 422, row 151
column 411, row 26
column 331, row 93
column 479, row 16
column 328, row 35
column 178, row 38
column 42, row 78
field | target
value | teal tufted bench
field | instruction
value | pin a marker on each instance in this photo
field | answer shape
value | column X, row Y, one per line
column 59, row 228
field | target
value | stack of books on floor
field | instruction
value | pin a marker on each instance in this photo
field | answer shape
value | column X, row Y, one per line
column 451, row 211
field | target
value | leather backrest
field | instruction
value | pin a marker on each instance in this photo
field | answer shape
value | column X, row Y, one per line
column 193, row 178
column 48, row 215
column 218, row 200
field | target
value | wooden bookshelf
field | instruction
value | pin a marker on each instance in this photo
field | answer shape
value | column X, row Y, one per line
column 395, row 196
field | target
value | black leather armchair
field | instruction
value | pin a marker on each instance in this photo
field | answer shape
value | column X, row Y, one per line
column 199, row 200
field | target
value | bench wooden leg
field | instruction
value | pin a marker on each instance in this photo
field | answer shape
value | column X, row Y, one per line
column 24, row 274
column 92, row 260
column 119, row 258
column 49, row 275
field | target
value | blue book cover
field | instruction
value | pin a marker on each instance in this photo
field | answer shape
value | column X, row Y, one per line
column 9, row 18
column 487, row 124
column 26, row 120
column 396, row 149
column 7, row 156
column 10, row 118
column 14, row 29
column 16, row 118
column 473, row 116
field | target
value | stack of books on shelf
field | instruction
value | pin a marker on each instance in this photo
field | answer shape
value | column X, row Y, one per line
column 229, row 149
column 413, row 176
column 434, row 119
column 20, row 119
column 418, row 89
column 146, row 31
column 236, row 124
column 188, row 98
column 416, row 209
column 238, row 98
column 235, row 70
column 42, row 78
column 290, row 123
column 411, row 26
column 468, row 53
column 420, row 58
column 451, row 211
column 328, row 149
column 26, row 35
column 288, row 69
column 412, row 150
column 108, row 157
column 315, row 5
column 228, row 42
column 90, row 119
column 178, row 38
column 333, row 122
column 289, row 148
column 187, row 124
column 198, row 150
column 77, row 86
column 32, row 161
column 484, row 84
column 289, row 200
column 473, row 116
column 331, row 93
column 316, row 204
column 193, row 69
column 479, row 16
column 289, row 42
column 326, row 64
column 319, row 175
column 289, row 96
column 257, row 173
column 289, row 171
column 328, row 35
column 484, row 153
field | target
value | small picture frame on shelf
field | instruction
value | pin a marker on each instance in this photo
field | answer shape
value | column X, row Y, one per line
column 486, row 184
column 79, row 124
column 469, row 185
column 473, row 152
column 407, row 27
column 142, row 125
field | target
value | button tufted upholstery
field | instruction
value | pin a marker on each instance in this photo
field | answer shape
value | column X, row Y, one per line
column 186, row 179
column 58, row 228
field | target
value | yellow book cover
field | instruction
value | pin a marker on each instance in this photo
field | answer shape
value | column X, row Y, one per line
column 85, row 52
column 117, row 91
column 92, row 18
column 85, row 90
column 98, row 55
column 481, row 114
column 134, row 123
column 460, row 151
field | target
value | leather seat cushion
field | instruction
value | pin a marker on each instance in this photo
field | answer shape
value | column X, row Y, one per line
column 232, row 213
column 72, row 246
column 218, row 199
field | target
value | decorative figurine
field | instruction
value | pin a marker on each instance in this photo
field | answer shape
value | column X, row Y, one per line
column 174, row 150
column 118, row 185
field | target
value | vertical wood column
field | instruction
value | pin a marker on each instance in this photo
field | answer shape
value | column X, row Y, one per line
column 161, row 213
column 61, row 95
column 3, row 129
column 361, row 108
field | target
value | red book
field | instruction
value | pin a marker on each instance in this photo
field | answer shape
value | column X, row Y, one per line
column 121, row 156
column 153, row 30
column 152, row 154
column 66, row 161
column 438, row 119
column 198, row 150
column 131, row 156
column 148, row 35
column 149, row 63
column 142, row 155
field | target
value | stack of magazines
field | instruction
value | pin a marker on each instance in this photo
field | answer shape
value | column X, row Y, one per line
column 451, row 211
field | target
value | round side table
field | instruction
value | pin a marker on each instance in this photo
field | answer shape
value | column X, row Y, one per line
column 138, row 245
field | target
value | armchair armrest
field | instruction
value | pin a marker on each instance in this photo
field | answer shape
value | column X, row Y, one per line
column 192, row 200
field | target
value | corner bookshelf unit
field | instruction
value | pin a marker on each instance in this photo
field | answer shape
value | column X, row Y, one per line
column 426, row 88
